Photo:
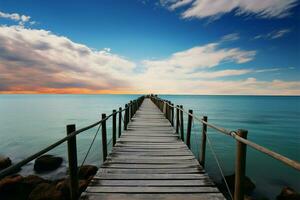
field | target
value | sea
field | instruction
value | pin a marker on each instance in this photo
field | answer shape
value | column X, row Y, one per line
column 30, row 122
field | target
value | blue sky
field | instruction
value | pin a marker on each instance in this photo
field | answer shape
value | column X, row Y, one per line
column 167, row 46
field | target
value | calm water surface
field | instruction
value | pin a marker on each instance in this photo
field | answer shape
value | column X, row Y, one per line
column 30, row 122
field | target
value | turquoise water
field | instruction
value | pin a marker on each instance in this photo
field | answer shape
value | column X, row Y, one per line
column 29, row 122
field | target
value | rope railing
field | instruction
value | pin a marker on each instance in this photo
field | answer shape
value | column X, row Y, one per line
column 239, row 135
column 129, row 110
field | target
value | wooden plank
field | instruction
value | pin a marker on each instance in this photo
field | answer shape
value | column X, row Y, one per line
column 146, row 189
column 155, row 183
column 154, row 171
column 152, row 161
column 154, row 153
column 116, row 196
column 102, row 175
column 148, row 166
column 151, row 157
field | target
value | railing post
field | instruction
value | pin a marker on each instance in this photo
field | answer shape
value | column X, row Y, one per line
column 131, row 110
column 72, row 158
column 104, row 140
column 177, row 119
column 128, row 116
column 172, row 114
column 181, row 123
column 120, row 122
column 114, row 127
column 125, row 117
column 189, row 129
column 203, row 144
column 240, row 166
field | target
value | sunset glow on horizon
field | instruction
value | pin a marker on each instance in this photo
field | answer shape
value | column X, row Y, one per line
column 142, row 47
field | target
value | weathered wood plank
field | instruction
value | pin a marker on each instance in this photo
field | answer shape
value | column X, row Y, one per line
column 116, row 196
column 155, row 183
column 106, row 176
column 146, row 189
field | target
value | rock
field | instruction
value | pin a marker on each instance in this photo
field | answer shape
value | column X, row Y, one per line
column 47, row 163
column 87, row 171
column 288, row 193
column 63, row 186
column 11, row 188
column 18, row 187
column 30, row 182
column 46, row 191
column 249, row 186
column 4, row 162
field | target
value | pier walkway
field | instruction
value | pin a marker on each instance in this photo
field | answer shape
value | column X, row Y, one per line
column 149, row 161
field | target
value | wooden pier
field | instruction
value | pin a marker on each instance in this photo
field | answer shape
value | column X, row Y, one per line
column 149, row 161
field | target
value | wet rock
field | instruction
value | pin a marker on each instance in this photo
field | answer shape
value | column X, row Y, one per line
column 47, row 163
column 63, row 186
column 11, row 188
column 87, row 171
column 46, row 191
column 30, row 182
column 288, row 193
column 4, row 162
column 249, row 186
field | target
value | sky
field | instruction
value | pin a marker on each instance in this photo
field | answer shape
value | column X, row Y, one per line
column 218, row 47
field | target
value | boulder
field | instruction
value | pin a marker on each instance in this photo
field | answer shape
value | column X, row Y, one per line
column 47, row 163
column 46, row 191
column 30, row 182
column 63, row 186
column 288, row 193
column 249, row 186
column 11, row 188
column 87, row 171
column 4, row 162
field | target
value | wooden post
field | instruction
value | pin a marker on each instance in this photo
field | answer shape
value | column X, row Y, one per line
column 177, row 119
column 181, row 123
column 104, row 141
column 72, row 158
column 167, row 110
column 172, row 114
column 120, row 122
column 114, row 127
column 189, row 129
column 125, row 117
column 203, row 144
column 240, row 166
column 131, row 110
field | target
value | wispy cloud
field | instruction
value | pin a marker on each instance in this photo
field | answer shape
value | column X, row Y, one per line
column 15, row 17
column 214, row 9
column 206, row 56
column 230, row 37
column 274, row 34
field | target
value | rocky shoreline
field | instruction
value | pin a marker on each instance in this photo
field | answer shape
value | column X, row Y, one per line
column 33, row 187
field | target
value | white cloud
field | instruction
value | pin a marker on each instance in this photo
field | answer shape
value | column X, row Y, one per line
column 33, row 59
column 206, row 56
column 15, row 17
column 215, row 8
column 274, row 34
column 230, row 37
column 179, row 4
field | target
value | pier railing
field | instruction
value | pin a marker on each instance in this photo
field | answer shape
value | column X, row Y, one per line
column 123, row 114
column 240, row 135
